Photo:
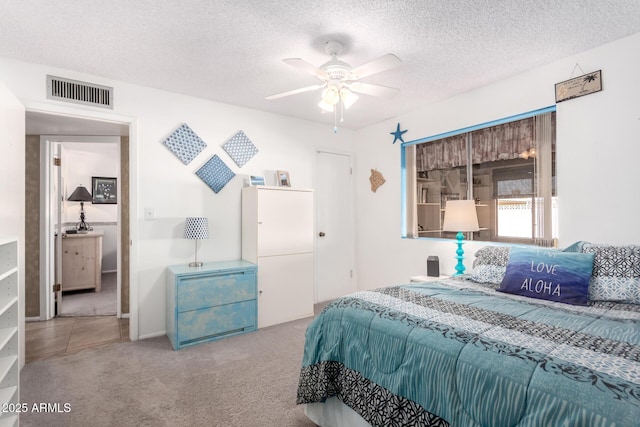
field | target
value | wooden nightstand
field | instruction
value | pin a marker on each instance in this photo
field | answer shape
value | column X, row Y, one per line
column 420, row 279
column 210, row 302
column 82, row 261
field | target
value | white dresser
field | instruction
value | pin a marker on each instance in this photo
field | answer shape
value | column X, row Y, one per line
column 277, row 235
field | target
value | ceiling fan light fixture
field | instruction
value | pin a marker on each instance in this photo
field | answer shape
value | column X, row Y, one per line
column 325, row 106
column 348, row 98
column 331, row 95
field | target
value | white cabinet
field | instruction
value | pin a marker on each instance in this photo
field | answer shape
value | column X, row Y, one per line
column 277, row 235
column 9, row 335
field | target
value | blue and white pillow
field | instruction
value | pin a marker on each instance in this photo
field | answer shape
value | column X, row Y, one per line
column 616, row 273
column 549, row 274
column 490, row 264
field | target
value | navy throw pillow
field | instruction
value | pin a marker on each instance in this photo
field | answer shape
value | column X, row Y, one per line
column 548, row 274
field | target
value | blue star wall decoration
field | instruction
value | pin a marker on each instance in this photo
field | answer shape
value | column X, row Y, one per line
column 397, row 135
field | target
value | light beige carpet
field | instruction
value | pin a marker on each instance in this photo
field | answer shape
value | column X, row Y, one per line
column 247, row 380
column 87, row 302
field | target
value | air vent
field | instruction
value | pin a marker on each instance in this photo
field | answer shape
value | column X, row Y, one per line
column 77, row 92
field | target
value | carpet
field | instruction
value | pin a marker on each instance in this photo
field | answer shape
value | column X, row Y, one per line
column 87, row 302
column 247, row 380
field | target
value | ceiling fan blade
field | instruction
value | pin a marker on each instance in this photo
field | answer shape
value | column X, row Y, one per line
column 384, row 63
column 295, row 91
column 303, row 65
column 374, row 90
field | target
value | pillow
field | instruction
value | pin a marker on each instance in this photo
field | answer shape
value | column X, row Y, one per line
column 616, row 273
column 575, row 247
column 549, row 274
column 490, row 264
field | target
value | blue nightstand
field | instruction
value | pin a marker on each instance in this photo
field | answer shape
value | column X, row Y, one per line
column 210, row 302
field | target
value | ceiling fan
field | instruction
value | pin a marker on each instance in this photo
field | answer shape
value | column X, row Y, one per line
column 340, row 81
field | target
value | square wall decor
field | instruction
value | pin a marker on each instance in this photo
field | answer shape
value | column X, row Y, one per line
column 185, row 144
column 240, row 148
column 215, row 173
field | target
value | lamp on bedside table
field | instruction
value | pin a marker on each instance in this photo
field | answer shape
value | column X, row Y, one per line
column 196, row 228
column 81, row 194
column 460, row 216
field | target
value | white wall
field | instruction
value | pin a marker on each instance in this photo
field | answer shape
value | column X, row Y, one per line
column 597, row 152
column 160, row 181
column 598, row 147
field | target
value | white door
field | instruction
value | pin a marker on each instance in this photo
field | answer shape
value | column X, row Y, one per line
column 55, row 295
column 334, row 226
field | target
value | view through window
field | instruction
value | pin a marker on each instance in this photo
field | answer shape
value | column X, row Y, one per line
column 507, row 167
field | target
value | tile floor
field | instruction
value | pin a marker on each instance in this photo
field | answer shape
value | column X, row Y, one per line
column 67, row 335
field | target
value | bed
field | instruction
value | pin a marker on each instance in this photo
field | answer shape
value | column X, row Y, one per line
column 466, row 352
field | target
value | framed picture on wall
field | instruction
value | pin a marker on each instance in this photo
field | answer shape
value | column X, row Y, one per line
column 283, row 178
column 105, row 190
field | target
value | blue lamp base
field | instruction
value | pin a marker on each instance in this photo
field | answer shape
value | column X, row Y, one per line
column 459, row 255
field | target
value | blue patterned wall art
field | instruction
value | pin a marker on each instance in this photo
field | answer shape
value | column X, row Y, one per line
column 215, row 173
column 240, row 148
column 185, row 144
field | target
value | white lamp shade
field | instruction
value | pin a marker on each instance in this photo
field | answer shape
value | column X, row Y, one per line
column 196, row 228
column 331, row 95
column 348, row 97
column 460, row 215
column 326, row 107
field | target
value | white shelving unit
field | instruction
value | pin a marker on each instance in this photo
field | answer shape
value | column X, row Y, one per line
column 9, row 335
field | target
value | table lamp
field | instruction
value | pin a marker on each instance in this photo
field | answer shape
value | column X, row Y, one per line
column 460, row 216
column 81, row 194
column 196, row 228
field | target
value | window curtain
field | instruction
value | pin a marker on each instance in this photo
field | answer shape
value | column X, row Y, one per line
column 411, row 192
column 501, row 142
column 544, row 176
column 443, row 153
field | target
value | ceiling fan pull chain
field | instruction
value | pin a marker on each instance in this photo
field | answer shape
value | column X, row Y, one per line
column 335, row 120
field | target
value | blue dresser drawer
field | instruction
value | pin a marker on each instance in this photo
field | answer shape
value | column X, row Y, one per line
column 210, row 302
column 207, row 290
column 215, row 322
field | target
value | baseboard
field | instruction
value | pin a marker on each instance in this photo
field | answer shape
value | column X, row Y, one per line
column 32, row 319
column 153, row 335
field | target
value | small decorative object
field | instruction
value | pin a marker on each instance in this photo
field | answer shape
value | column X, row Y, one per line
column 185, row 144
column 460, row 216
column 397, row 135
column 256, row 180
column 81, row 194
column 196, row 228
column 283, row 178
column 376, row 179
column 105, row 190
column 215, row 173
column 433, row 266
column 240, row 148
column 579, row 86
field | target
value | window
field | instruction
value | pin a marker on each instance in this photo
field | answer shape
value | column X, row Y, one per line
column 507, row 167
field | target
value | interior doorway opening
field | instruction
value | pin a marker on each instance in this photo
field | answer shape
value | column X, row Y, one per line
column 45, row 130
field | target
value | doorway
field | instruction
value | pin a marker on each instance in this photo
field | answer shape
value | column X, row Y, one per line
column 39, row 291
column 88, row 247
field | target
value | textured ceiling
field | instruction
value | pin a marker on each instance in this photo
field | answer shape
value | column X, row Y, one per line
column 232, row 50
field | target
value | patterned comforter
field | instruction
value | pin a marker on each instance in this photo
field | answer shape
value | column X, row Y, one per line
column 461, row 354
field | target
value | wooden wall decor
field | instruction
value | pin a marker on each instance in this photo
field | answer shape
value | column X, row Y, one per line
column 376, row 180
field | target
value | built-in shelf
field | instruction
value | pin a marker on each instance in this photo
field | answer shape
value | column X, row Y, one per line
column 9, row 336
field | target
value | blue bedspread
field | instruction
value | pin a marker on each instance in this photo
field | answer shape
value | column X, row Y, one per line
column 461, row 354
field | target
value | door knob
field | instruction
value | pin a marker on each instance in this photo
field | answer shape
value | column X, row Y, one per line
column 321, row 234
